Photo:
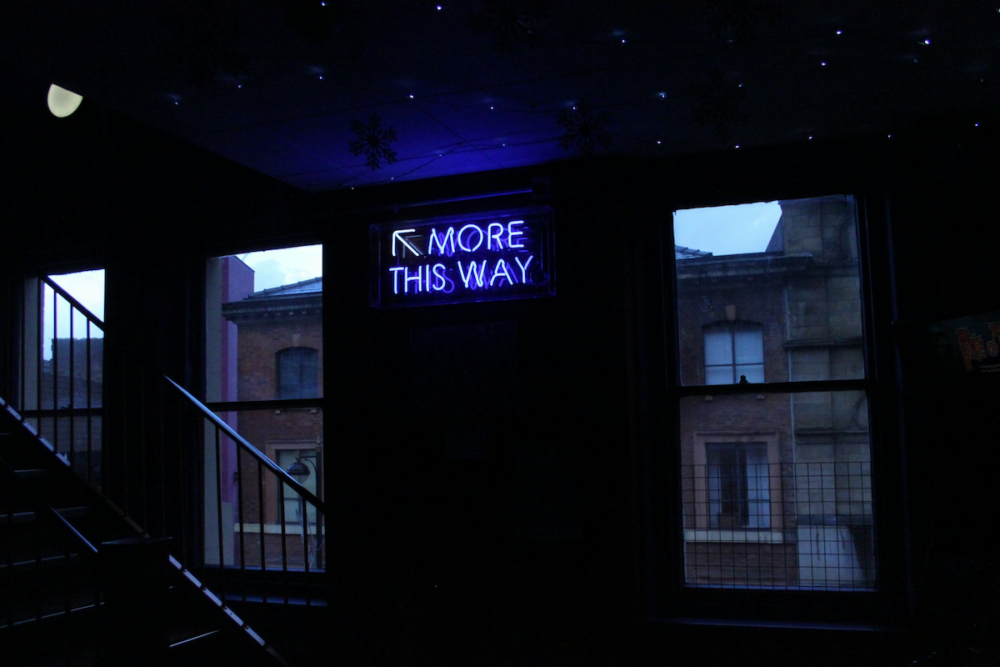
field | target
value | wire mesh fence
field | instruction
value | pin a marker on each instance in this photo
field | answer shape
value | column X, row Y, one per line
column 754, row 524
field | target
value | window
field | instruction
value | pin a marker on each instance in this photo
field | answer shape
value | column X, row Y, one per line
column 285, row 456
column 58, row 385
column 264, row 378
column 298, row 372
column 733, row 351
column 775, row 479
column 738, row 485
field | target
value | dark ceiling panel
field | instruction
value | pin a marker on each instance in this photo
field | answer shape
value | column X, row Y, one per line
column 276, row 86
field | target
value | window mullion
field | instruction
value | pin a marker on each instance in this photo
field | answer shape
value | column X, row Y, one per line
column 773, row 387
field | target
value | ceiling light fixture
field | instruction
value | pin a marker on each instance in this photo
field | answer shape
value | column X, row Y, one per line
column 63, row 102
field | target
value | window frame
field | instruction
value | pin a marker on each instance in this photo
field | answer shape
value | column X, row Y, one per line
column 668, row 599
column 204, row 314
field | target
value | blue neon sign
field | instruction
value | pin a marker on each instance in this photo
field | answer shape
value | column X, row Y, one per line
column 482, row 257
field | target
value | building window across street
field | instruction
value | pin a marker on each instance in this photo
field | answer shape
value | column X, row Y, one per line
column 771, row 398
column 738, row 486
column 298, row 372
column 733, row 351
column 309, row 456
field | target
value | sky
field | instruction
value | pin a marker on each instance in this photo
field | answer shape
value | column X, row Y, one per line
column 273, row 268
column 87, row 287
column 727, row 230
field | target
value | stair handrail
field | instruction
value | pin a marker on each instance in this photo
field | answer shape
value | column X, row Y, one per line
column 250, row 449
column 83, row 541
column 94, row 319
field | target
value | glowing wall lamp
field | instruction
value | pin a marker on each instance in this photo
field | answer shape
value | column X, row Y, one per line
column 63, row 102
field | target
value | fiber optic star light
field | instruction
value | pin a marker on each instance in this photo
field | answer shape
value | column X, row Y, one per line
column 482, row 257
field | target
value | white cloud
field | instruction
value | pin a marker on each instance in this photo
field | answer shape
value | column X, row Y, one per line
column 727, row 230
column 284, row 266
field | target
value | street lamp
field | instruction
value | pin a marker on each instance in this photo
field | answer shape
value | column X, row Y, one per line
column 300, row 472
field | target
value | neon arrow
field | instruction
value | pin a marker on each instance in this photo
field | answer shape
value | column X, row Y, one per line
column 397, row 236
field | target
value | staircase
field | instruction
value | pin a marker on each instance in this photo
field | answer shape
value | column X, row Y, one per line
column 109, row 481
column 84, row 586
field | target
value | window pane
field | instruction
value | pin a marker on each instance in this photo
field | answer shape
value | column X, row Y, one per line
column 749, row 346
column 264, row 335
column 61, row 366
column 776, row 491
column 718, row 347
column 719, row 375
column 782, row 278
column 260, row 305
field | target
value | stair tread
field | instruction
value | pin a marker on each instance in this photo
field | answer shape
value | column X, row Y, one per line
column 45, row 562
column 30, row 515
column 45, row 581
column 182, row 638
column 32, row 473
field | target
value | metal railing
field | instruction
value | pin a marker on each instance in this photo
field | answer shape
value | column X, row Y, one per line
column 258, row 550
column 159, row 455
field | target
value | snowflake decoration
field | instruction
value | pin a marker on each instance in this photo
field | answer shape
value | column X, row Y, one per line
column 585, row 129
column 510, row 22
column 373, row 141
column 719, row 102
column 737, row 21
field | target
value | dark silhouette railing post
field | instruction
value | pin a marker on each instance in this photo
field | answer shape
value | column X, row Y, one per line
column 135, row 616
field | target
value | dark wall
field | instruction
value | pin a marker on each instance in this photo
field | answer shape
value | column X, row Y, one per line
column 945, row 227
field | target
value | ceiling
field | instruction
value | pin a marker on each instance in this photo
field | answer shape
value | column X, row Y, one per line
column 422, row 89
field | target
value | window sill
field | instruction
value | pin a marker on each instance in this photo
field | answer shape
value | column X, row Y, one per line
column 274, row 528
column 739, row 536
